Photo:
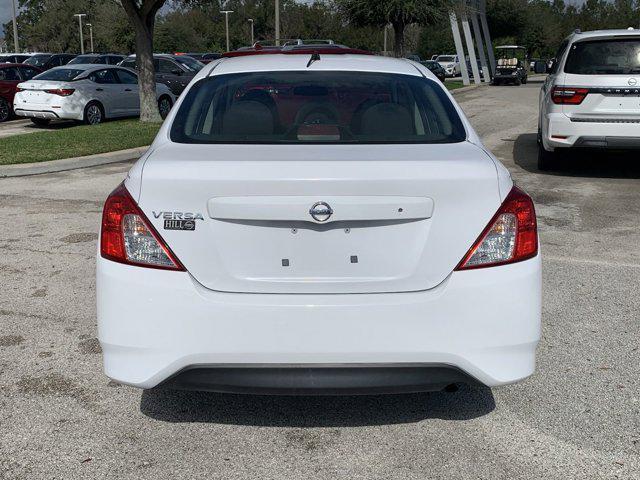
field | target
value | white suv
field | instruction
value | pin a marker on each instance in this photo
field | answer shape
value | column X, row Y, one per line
column 450, row 63
column 592, row 96
column 317, row 220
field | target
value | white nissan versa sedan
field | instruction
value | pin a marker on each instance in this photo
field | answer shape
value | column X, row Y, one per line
column 591, row 97
column 317, row 220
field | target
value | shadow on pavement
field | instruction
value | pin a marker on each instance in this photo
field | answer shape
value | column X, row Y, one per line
column 588, row 163
column 319, row 411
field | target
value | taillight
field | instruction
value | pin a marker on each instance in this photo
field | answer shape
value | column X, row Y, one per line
column 128, row 237
column 568, row 95
column 63, row 92
column 511, row 235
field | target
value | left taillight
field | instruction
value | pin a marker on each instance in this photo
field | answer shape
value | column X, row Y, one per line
column 568, row 95
column 128, row 237
column 63, row 92
column 511, row 235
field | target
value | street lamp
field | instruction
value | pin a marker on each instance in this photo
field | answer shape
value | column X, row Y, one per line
column 226, row 22
column 16, row 47
column 90, row 36
column 251, row 22
column 80, row 15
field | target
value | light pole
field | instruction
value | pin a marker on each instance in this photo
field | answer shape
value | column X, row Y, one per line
column 16, row 47
column 90, row 36
column 277, row 22
column 80, row 15
column 251, row 22
column 226, row 23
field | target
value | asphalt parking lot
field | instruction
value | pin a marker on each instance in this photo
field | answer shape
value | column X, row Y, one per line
column 577, row 418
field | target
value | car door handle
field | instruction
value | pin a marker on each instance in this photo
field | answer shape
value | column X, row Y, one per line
column 99, row 89
column 127, row 89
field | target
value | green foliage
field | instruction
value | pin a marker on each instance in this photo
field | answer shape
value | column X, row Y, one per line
column 197, row 25
column 76, row 141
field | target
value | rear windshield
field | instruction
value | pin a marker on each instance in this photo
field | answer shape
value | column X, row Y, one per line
column 190, row 63
column 37, row 60
column 60, row 74
column 80, row 59
column 604, row 57
column 316, row 107
column 442, row 58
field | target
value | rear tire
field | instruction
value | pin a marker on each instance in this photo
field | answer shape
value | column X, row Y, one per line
column 5, row 110
column 546, row 160
column 525, row 80
column 517, row 82
column 93, row 114
column 41, row 122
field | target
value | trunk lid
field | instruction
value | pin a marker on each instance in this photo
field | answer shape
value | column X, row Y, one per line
column 402, row 216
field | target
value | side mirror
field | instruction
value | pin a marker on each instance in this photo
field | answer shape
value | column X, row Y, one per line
column 176, row 71
column 551, row 66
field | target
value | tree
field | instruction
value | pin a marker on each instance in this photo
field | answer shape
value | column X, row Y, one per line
column 142, row 14
column 398, row 13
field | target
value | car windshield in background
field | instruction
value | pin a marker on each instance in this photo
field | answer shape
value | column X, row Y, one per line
column 445, row 59
column 59, row 74
column 37, row 60
column 191, row 63
column 603, row 57
column 317, row 107
column 80, row 59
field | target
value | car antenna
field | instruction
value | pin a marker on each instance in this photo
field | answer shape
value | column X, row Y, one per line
column 314, row 56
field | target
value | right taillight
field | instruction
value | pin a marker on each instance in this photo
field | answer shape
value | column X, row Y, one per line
column 568, row 95
column 511, row 235
column 128, row 237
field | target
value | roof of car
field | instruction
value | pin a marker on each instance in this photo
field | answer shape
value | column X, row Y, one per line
column 5, row 65
column 605, row 33
column 280, row 62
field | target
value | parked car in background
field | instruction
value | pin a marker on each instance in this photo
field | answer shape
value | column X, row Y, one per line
column 436, row 69
column 590, row 98
column 175, row 71
column 210, row 57
column 14, row 57
column 97, row 58
column 328, row 228
column 470, row 70
column 45, row 61
column 512, row 65
column 87, row 93
column 11, row 74
column 450, row 63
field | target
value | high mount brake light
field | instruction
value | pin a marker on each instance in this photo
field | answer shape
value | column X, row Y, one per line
column 511, row 236
column 568, row 95
column 63, row 92
column 128, row 237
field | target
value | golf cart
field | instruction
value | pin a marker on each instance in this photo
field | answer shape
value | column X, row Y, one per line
column 512, row 65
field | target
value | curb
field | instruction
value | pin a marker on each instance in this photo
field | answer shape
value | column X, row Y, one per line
column 465, row 89
column 52, row 166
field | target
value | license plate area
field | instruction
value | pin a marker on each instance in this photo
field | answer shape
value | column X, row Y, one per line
column 357, row 255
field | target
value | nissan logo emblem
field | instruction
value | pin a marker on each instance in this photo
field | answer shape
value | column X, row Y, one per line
column 320, row 211
column 632, row 81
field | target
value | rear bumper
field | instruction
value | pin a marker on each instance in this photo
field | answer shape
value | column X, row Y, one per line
column 154, row 324
column 48, row 114
column 317, row 380
column 566, row 132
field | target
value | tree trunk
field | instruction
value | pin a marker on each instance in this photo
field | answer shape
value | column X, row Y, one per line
column 143, row 19
column 398, row 39
column 146, row 71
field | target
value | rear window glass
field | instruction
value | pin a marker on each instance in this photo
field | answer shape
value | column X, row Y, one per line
column 443, row 58
column 37, row 60
column 190, row 63
column 316, row 107
column 60, row 74
column 604, row 57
